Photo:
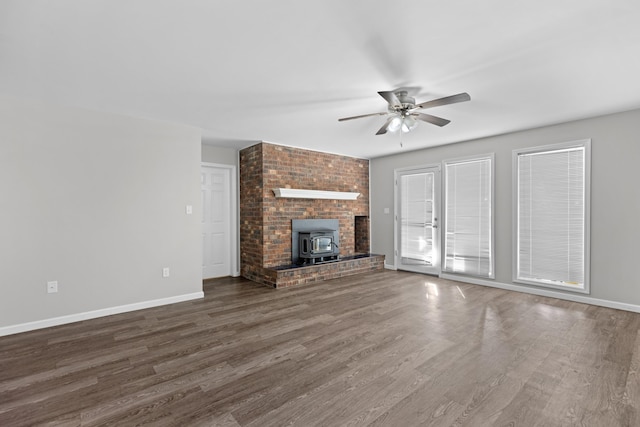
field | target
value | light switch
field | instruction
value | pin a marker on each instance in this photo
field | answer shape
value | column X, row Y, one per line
column 189, row 209
column 52, row 287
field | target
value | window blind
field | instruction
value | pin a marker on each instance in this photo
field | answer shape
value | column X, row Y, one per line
column 468, row 245
column 417, row 217
column 551, row 217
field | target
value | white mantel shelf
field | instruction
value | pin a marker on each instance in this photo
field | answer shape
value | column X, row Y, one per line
column 293, row 193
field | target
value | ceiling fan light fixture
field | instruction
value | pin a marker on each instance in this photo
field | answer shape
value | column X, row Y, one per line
column 409, row 123
column 395, row 124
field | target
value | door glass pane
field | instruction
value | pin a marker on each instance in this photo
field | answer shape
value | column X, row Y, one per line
column 468, row 236
column 417, row 219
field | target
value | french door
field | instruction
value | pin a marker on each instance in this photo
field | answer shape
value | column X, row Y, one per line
column 417, row 211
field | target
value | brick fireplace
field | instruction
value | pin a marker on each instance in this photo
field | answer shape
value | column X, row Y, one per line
column 265, row 221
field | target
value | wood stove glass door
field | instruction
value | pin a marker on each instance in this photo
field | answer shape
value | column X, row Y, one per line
column 417, row 211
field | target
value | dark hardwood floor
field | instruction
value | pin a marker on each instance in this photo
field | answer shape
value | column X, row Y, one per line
column 381, row 349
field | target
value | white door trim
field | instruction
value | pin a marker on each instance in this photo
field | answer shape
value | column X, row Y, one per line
column 233, row 233
column 434, row 167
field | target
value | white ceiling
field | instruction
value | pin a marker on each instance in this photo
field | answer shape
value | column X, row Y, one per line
column 284, row 71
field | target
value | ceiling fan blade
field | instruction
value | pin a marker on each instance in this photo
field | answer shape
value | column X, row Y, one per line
column 461, row 97
column 438, row 121
column 385, row 126
column 361, row 116
column 391, row 98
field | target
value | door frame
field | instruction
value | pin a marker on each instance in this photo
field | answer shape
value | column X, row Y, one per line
column 437, row 188
column 234, row 219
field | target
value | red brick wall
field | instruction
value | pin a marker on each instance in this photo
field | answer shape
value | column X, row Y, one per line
column 265, row 221
column 251, row 218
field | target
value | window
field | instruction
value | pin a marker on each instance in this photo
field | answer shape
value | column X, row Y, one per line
column 468, row 240
column 551, row 215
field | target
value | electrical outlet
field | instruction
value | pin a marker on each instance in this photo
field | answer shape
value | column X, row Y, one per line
column 52, row 287
column 165, row 272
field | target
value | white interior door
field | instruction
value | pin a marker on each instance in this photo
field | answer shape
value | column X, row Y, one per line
column 216, row 222
column 417, row 211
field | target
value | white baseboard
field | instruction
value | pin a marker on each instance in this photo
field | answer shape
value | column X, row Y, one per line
column 390, row 266
column 55, row 321
column 545, row 293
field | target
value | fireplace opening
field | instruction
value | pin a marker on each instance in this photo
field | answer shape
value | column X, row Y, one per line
column 314, row 241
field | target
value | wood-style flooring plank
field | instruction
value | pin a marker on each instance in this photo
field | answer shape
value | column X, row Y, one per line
column 383, row 348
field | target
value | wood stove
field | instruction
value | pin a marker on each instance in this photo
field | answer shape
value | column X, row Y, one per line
column 314, row 241
column 317, row 246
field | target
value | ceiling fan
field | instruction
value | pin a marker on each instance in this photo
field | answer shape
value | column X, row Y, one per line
column 403, row 111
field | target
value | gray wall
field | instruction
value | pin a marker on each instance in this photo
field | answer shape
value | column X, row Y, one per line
column 97, row 202
column 220, row 155
column 615, row 198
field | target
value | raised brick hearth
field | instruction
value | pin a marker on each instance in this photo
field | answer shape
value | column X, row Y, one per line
column 265, row 221
column 348, row 266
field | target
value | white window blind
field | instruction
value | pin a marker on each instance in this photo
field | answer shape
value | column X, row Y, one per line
column 417, row 218
column 551, row 216
column 468, row 242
